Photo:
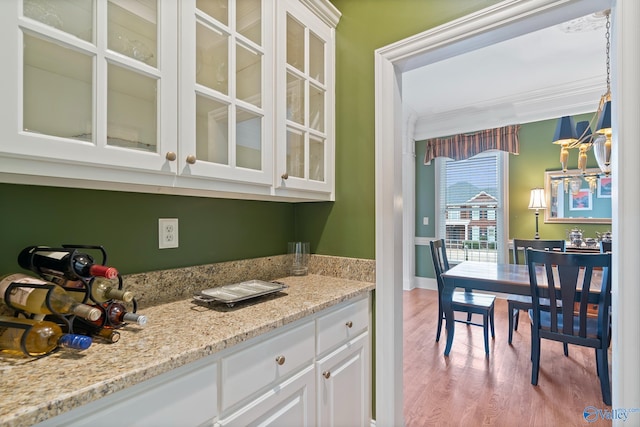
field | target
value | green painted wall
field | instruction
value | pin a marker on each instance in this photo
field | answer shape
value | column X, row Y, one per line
column 126, row 224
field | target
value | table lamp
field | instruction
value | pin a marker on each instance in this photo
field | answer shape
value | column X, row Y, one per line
column 537, row 202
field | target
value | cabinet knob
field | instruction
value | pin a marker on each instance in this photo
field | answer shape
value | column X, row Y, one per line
column 284, row 176
column 349, row 324
column 191, row 159
column 326, row 374
column 280, row 360
column 171, row 156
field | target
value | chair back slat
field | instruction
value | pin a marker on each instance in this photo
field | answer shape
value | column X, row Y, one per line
column 440, row 261
column 521, row 245
column 568, row 279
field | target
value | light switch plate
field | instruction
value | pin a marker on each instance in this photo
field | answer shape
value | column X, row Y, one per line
column 167, row 233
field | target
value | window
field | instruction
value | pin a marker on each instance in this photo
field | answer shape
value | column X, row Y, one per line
column 470, row 208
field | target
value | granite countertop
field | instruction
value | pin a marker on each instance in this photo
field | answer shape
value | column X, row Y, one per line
column 177, row 333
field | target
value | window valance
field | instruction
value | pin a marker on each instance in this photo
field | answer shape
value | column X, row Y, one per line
column 466, row 145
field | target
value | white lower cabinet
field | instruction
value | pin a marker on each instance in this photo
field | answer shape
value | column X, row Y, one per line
column 343, row 398
column 313, row 372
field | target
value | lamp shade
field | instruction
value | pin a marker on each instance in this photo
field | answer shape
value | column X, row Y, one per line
column 565, row 131
column 583, row 132
column 604, row 119
column 537, row 200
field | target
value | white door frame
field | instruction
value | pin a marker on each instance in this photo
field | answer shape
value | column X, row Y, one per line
column 489, row 26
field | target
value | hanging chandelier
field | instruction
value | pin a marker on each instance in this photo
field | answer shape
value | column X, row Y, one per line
column 578, row 136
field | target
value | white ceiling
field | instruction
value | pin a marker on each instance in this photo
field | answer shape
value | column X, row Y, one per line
column 545, row 74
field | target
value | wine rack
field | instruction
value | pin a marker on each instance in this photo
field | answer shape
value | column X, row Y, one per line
column 80, row 288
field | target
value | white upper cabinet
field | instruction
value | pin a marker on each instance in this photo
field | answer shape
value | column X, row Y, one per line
column 305, row 102
column 211, row 98
column 89, row 82
column 226, row 70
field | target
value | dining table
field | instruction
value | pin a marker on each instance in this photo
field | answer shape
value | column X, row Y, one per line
column 492, row 277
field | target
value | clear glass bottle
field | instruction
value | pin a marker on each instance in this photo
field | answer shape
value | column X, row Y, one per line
column 103, row 290
column 36, row 337
column 41, row 297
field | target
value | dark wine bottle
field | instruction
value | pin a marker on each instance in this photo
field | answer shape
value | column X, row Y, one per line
column 115, row 315
column 63, row 262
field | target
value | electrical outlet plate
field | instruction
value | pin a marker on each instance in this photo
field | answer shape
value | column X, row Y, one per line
column 167, row 233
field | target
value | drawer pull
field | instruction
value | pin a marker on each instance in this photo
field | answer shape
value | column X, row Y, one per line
column 191, row 159
column 171, row 156
column 349, row 324
column 284, row 176
column 326, row 374
column 280, row 360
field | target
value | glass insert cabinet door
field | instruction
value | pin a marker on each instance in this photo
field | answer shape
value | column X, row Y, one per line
column 304, row 152
column 91, row 84
column 225, row 122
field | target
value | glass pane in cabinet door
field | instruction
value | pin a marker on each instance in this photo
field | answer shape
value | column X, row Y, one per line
column 57, row 90
column 249, row 19
column 73, row 17
column 249, row 76
column 295, row 153
column 131, row 109
column 316, row 58
column 295, row 43
column 133, row 29
column 212, row 130
column 316, row 159
column 248, row 140
column 295, row 99
column 217, row 9
column 316, row 108
column 212, row 53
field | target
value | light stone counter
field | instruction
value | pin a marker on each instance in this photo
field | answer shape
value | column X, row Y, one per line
column 178, row 332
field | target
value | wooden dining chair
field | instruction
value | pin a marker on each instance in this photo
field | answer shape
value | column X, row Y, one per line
column 467, row 302
column 516, row 303
column 565, row 279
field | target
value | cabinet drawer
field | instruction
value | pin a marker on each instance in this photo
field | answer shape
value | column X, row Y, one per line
column 256, row 366
column 342, row 325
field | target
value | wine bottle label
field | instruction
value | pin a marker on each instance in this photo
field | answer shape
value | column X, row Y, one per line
column 55, row 255
column 18, row 294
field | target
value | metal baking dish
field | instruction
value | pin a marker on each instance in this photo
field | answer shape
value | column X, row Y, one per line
column 231, row 294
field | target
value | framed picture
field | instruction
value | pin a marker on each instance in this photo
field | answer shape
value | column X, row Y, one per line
column 604, row 187
column 580, row 201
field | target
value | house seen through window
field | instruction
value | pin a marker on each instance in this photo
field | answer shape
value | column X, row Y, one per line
column 470, row 207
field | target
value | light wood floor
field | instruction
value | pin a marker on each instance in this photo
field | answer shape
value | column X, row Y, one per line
column 468, row 389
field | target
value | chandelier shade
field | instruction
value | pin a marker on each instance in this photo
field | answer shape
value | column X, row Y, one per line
column 604, row 120
column 565, row 131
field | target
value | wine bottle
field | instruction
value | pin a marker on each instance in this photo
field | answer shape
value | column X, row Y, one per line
column 106, row 335
column 36, row 337
column 114, row 314
column 33, row 297
column 103, row 290
column 63, row 262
